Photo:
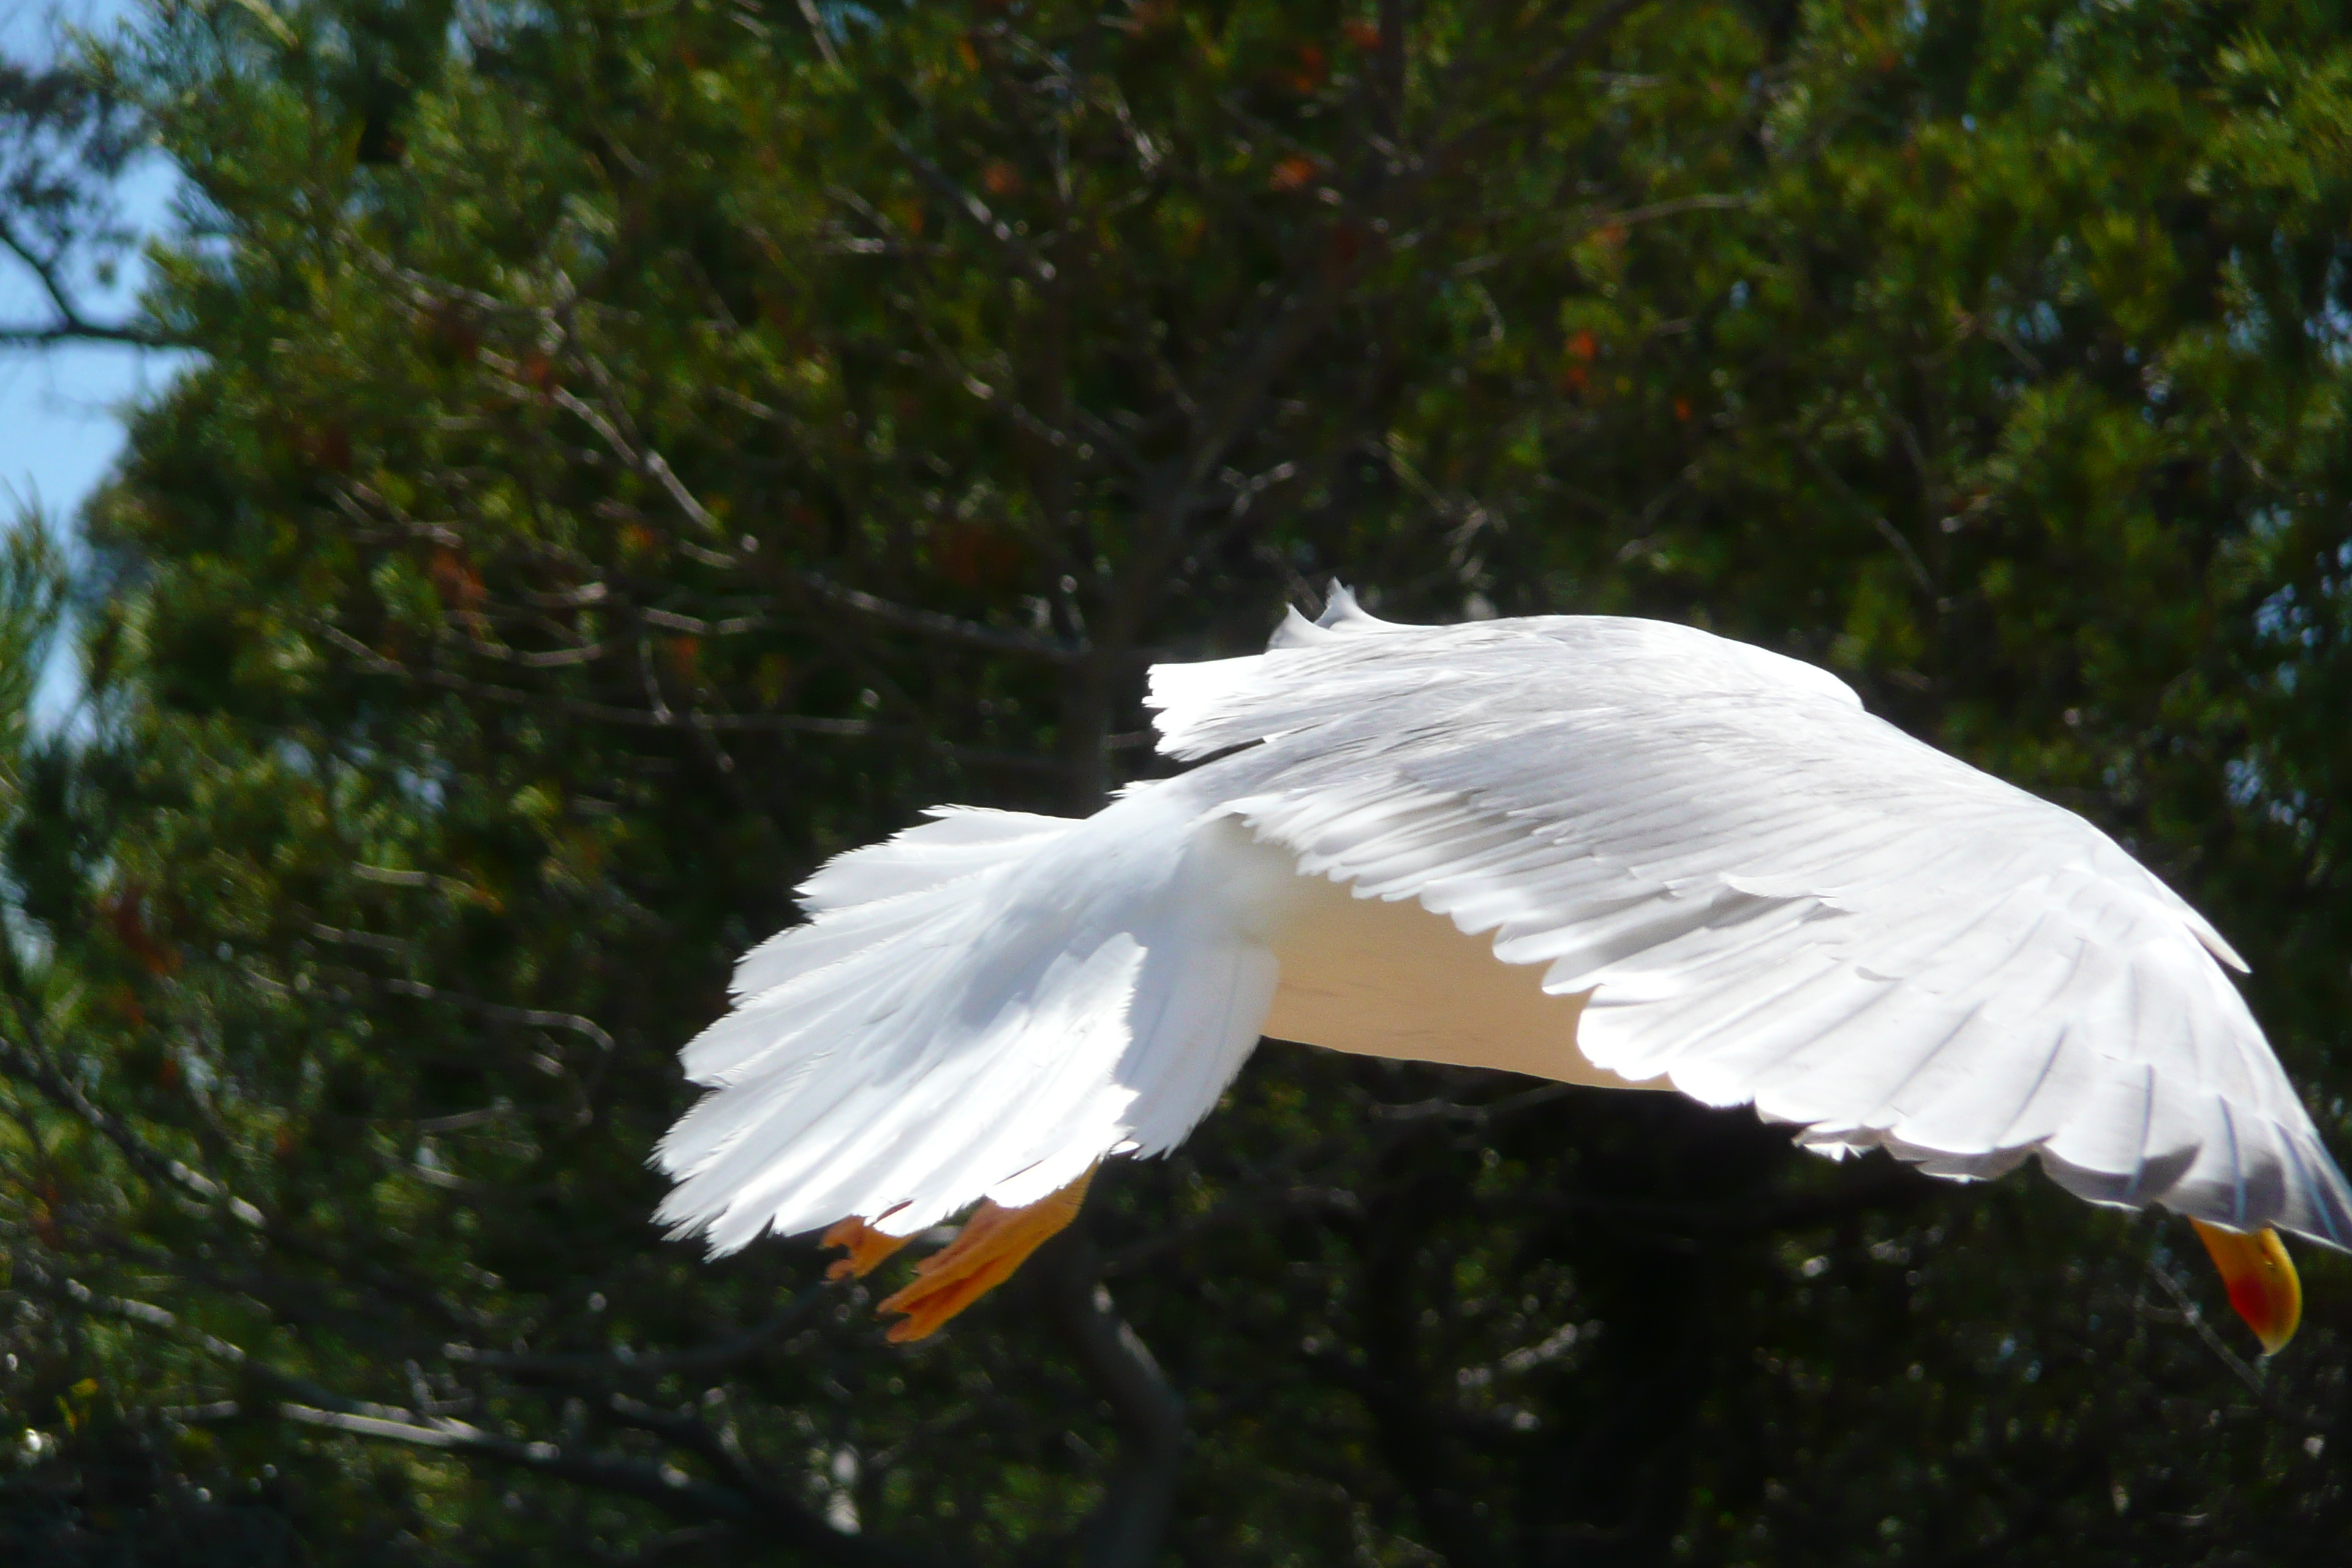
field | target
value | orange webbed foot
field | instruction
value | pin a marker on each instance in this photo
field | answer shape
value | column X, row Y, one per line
column 868, row 1248
column 993, row 1243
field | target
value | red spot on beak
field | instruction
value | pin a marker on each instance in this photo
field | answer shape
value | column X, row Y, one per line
column 2261, row 1279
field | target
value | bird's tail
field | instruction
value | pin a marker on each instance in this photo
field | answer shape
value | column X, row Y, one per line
column 980, row 1007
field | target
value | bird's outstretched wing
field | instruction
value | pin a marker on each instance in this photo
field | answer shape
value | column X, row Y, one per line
column 1771, row 897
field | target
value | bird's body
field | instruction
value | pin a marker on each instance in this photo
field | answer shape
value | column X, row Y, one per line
column 1598, row 850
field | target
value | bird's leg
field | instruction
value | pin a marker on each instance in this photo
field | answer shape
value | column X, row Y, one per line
column 993, row 1243
column 2261, row 1280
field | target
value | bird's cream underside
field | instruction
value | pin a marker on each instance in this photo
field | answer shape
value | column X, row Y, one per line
column 1390, row 979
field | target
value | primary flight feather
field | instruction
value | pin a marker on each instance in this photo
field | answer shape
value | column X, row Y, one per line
column 1595, row 850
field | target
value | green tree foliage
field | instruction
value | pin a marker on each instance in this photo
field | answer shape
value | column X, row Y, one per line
column 638, row 450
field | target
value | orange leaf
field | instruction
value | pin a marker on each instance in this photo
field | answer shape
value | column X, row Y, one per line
column 1311, row 69
column 1293, row 173
column 455, row 578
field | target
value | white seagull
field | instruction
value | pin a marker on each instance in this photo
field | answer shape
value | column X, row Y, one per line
column 1599, row 850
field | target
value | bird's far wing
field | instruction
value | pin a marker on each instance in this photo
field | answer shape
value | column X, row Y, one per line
column 1774, row 898
column 980, row 1007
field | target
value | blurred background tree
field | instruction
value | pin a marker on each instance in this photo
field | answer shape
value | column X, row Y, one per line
column 636, row 451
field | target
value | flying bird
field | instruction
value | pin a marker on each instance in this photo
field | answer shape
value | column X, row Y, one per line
column 1594, row 849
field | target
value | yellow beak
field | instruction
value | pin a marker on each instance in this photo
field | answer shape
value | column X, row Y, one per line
column 2261, row 1279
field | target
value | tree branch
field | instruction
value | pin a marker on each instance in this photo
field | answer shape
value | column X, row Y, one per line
column 587, row 1366
column 1126, row 1530
column 75, row 330
column 70, row 325
column 749, row 1501
column 931, row 624
column 34, row 1068
column 671, row 719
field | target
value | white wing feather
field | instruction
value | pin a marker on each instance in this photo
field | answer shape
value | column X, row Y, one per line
column 980, row 1007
